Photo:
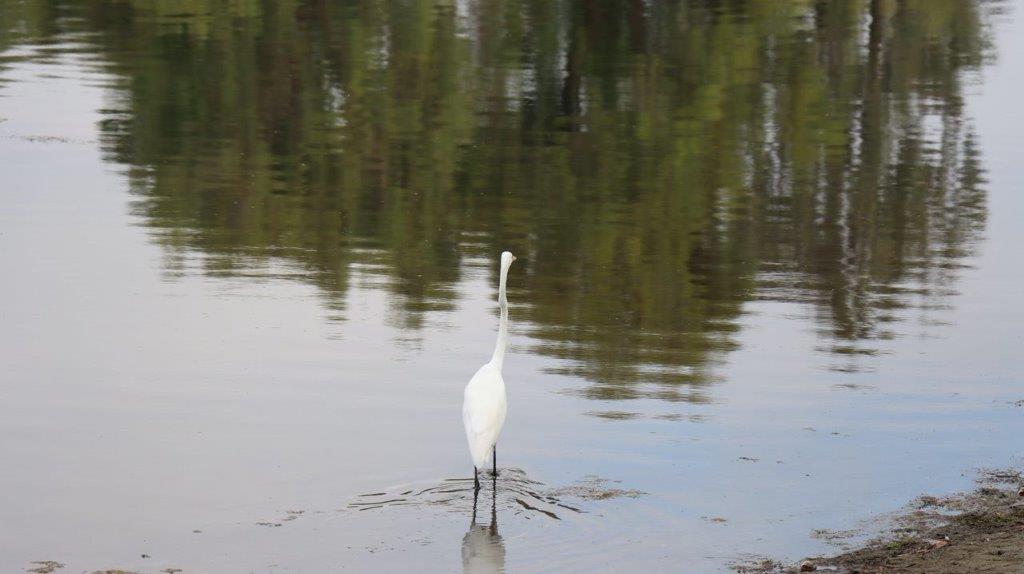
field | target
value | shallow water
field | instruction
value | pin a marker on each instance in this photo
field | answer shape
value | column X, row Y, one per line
column 768, row 278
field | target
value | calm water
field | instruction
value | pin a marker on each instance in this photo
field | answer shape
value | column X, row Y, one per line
column 769, row 277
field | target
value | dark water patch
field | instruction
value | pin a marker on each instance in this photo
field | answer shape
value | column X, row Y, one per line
column 838, row 538
column 853, row 387
column 44, row 567
column 288, row 516
column 1000, row 476
column 614, row 415
column 596, row 488
column 676, row 417
column 849, row 350
column 43, row 139
column 527, row 506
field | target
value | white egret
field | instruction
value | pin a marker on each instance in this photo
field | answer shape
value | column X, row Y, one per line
column 484, row 403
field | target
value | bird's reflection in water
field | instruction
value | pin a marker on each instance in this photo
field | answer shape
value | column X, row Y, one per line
column 482, row 547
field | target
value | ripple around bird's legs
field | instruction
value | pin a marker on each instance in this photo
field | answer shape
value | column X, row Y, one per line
column 513, row 491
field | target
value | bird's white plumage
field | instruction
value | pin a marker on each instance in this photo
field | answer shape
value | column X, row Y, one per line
column 484, row 403
column 484, row 407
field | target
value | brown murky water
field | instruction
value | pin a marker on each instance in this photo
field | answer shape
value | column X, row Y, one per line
column 768, row 277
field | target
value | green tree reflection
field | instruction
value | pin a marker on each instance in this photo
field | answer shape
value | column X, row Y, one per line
column 658, row 164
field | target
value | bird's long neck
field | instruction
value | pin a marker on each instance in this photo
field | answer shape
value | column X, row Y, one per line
column 499, row 348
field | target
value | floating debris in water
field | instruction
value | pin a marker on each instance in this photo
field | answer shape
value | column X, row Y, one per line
column 593, row 488
column 45, row 567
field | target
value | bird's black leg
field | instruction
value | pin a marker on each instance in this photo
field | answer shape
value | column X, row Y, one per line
column 476, row 480
column 494, row 469
column 494, row 507
column 476, row 493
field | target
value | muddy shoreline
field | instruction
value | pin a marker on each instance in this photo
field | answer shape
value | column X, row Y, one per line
column 978, row 531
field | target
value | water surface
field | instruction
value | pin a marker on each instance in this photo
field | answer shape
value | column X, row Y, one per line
column 768, row 278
